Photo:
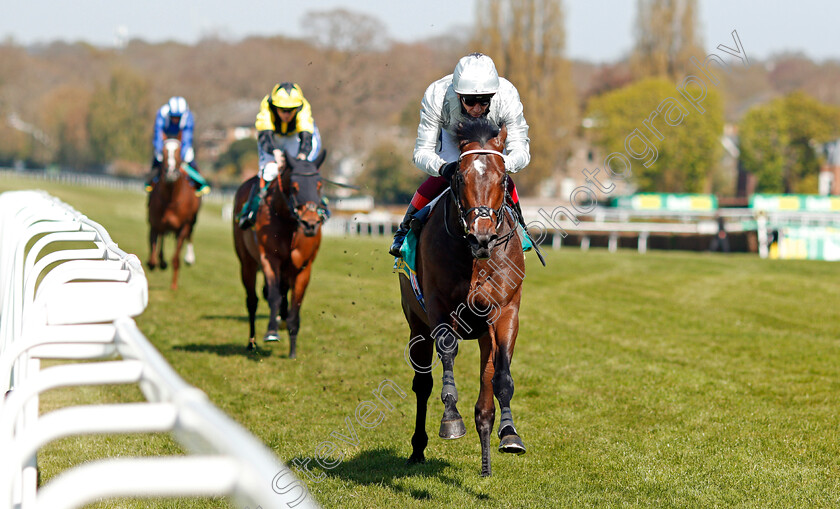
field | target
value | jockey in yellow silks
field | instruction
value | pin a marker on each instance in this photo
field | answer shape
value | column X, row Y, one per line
column 285, row 128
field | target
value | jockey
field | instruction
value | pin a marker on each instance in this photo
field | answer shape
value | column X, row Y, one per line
column 174, row 118
column 476, row 90
column 285, row 128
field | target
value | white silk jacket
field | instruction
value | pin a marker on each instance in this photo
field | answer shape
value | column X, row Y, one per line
column 441, row 110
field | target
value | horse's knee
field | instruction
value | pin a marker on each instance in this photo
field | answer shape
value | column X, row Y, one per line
column 484, row 417
column 503, row 385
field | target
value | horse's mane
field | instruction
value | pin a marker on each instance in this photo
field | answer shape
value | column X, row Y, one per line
column 477, row 129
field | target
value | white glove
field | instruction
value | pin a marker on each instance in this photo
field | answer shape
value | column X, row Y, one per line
column 159, row 156
column 270, row 171
column 189, row 156
column 508, row 164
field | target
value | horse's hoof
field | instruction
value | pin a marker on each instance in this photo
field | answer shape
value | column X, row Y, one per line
column 511, row 444
column 450, row 430
column 416, row 458
column 252, row 346
column 271, row 336
column 163, row 265
column 486, row 473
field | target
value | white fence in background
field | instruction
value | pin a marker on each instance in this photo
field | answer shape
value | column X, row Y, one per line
column 68, row 292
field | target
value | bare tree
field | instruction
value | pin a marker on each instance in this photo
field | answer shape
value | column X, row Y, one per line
column 666, row 37
column 527, row 40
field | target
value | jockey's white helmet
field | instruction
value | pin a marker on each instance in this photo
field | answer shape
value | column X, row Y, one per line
column 475, row 74
column 178, row 106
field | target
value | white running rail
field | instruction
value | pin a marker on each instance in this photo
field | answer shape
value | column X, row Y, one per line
column 68, row 292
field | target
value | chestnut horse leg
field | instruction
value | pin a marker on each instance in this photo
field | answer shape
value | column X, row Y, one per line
column 183, row 233
column 153, row 241
column 293, row 319
column 248, row 272
column 420, row 356
column 451, row 425
column 485, row 409
column 161, row 260
column 272, row 280
column 284, row 302
column 507, row 328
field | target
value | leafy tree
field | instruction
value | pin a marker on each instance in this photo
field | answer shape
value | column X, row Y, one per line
column 121, row 119
column 527, row 39
column 778, row 140
column 65, row 120
column 688, row 150
column 389, row 175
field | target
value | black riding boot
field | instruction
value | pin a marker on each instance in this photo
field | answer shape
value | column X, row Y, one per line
column 248, row 216
column 402, row 231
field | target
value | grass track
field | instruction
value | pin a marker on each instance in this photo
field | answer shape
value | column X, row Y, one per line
column 661, row 380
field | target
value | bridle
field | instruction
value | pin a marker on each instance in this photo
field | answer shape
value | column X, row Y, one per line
column 481, row 210
column 293, row 203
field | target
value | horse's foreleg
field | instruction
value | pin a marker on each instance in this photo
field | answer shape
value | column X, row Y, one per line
column 420, row 353
column 153, row 240
column 176, row 257
column 248, row 273
column 293, row 319
column 284, row 301
column 506, row 328
column 272, row 275
column 452, row 424
column 485, row 410
column 161, row 259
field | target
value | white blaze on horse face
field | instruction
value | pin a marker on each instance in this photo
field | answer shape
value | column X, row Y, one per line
column 170, row 146
column 478, row 164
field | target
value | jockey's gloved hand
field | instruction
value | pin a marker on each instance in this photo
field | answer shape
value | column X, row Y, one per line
column 159, row 157
column 448, row 169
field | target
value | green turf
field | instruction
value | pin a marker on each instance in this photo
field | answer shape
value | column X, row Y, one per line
column 660, row 380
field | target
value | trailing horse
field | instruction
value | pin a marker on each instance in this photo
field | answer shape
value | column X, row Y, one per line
column 469, row 268
column 282, row 244
column 173, row 207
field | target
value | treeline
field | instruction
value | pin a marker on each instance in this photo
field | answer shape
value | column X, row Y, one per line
column 90, row 108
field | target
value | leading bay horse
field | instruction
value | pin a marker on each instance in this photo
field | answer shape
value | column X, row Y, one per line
column 470, row 268
column 282, row 244
column 173, row 207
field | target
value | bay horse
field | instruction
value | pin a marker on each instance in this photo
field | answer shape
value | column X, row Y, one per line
column 282, row 244
column 173, row 207
column 470, row 267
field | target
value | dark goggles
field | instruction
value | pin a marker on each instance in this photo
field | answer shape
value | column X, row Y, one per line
column 288, row 110
column 472, row 100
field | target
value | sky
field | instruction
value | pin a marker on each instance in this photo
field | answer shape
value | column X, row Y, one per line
column 596, row 30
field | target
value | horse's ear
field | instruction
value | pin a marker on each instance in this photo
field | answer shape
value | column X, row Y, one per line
column 502, row 134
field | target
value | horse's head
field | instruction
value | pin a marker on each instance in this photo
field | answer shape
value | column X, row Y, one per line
column 480, row 184
column 305, row 195
column 171, row 159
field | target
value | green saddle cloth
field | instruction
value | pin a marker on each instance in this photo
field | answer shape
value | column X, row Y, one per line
column 407, row 264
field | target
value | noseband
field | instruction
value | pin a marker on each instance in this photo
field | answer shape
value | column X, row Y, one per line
column 481, row 210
